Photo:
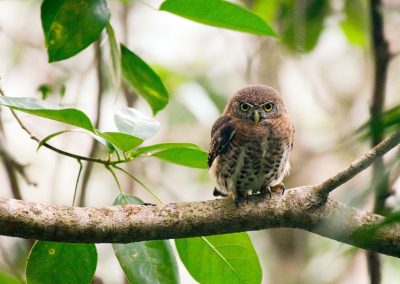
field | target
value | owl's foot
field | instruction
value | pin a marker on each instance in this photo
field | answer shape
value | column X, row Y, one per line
column 266, row 190
column 237, row 198
column 279, row 186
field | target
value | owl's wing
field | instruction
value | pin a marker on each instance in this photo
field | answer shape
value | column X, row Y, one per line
column 222, row 133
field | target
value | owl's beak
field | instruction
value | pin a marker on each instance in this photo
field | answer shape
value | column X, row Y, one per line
column 256, row 117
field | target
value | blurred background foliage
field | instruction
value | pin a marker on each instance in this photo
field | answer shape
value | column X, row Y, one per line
column 322, row 64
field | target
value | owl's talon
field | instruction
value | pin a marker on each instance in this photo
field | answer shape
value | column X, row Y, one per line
column 266, row 190
column 279, row 186
column 283, row 188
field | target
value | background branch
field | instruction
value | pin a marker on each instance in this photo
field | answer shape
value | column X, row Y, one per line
column 95, row 145
column 359, row 165
column 380, row 180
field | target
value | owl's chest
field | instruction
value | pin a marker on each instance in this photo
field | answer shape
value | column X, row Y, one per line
column 249, row 161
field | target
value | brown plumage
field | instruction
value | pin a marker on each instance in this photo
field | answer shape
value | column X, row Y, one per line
column 251, row 143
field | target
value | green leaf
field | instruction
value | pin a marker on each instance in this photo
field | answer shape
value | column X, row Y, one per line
column 143, row 80
column 302, row 22
column 115, row 55
column 185, row 154
column 49, row 137
column 100, row 139
column 220, row 14
column 123, row 141
column 220, row 259
column 355, row 22
column 48, row 110
column 50, row 262
column 164, row 146
column 7, row 279
column 189, row 157
column 132, row 122
column 147, row 261
column 72, row 25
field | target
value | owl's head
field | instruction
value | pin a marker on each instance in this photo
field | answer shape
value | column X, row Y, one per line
column 256, row 103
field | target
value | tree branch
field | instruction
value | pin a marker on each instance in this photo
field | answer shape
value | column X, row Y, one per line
column 298, row 208
column 380, row 184
column 130, row 223
column 358, row 165
column 95, row 144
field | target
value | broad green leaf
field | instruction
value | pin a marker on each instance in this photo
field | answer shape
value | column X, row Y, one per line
column 72, row 25
column 132, row 122
column 7, row 279
column 164, row 146
column 219, row 13
column 123, row 199
column 143, row 80
column 148, row 261
column 220, row 259
column 189, row 157
column 355, row 22
column 51, row 262
column 123, row 141
column 185, row 154
column 266, row 9
column 302, row 22
column 115, row 55
column 48, row 110
column 100, row 139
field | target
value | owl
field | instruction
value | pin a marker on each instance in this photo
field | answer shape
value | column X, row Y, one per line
column 250, row 144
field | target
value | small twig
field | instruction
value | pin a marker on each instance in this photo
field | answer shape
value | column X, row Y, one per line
column 62, row 152
column 100, row 93
column 77, row 181
column 358, row 165
column 59, row 151
column 12, row 177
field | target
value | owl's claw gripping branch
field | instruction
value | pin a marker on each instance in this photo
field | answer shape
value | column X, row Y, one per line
column 266, row 190
column 280, row 186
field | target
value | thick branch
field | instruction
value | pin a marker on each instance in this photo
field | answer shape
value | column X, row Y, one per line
column 129, row 223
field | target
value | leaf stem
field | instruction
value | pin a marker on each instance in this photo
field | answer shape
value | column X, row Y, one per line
column 77, row 180
column 139, row 182
column 116, row 181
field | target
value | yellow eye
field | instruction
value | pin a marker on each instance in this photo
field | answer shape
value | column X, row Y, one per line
column 268, row 107
column 244, row 107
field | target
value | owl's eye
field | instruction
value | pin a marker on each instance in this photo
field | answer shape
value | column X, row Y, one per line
column 244, row 107
column 268, row 107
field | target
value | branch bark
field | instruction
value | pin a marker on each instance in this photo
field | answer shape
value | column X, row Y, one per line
column 300, row 207
column 297, row 208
